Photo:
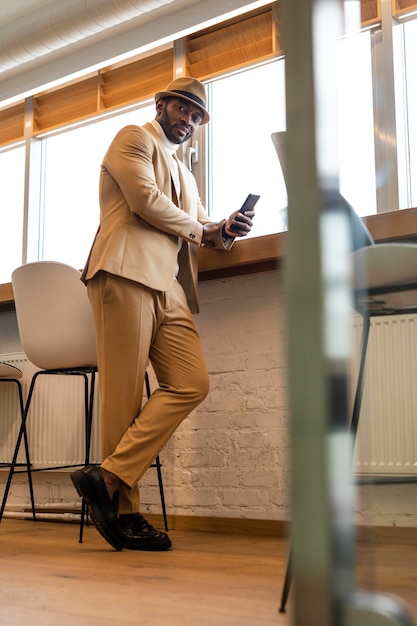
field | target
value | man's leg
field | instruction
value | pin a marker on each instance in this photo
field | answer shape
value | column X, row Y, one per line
column 177, row 358
column 124, row 319
column 125, row 314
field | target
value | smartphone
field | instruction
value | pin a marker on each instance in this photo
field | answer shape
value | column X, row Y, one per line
column 248, row 205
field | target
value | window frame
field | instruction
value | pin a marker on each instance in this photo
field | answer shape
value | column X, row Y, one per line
column 372, row 16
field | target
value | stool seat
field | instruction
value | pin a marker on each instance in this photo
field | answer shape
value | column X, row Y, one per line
column 9, row 371
column 385, row 279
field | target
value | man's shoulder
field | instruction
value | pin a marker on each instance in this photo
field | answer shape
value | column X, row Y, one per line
column 133, row 134
column 145, row 129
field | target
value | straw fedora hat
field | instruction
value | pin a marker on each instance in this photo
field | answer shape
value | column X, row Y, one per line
column 189, row 89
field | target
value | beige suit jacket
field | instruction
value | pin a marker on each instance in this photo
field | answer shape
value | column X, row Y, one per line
column 140, row 218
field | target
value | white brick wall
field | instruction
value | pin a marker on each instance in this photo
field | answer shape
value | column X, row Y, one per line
column 229, row 458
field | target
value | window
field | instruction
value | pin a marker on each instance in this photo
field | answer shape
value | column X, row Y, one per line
column 245, row 109
column 12, row 167
column 246, row 85
column 71, row 170
column 405, row 49
column 356, row 124
column 248, row 106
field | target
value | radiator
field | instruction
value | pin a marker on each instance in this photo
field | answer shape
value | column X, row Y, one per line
column 387, row 436
column 55, row 422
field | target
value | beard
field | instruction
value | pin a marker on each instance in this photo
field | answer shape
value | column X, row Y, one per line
column 169, row 128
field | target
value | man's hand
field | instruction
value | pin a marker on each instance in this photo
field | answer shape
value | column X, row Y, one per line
column 242, row 224
column 210, row 233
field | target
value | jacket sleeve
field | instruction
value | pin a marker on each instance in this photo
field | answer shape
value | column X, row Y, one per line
column 141, row 171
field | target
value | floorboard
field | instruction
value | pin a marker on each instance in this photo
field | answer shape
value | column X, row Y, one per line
column 47, row 578
column 208, row 579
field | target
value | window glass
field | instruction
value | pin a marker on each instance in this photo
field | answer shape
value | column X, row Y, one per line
column 71, row 178
column 12, row 167
column 401, row 117
column 406, row 94
column 246, row 108
column 356, row 124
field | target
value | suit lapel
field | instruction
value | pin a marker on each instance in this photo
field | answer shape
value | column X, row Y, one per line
column 174, row 169
column 175, row 187
column 185, row 186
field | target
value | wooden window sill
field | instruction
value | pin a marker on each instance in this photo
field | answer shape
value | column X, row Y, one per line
column 265, row 253
column 262, row 253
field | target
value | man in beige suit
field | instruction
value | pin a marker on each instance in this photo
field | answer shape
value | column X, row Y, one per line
column 141, row 279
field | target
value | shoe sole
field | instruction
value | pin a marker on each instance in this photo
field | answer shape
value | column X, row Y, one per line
column 151, row 547
column 83, row 487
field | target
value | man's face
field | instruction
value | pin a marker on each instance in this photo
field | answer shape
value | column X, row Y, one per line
column 178, row 118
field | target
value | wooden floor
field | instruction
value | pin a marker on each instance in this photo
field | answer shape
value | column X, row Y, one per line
column 47, row 578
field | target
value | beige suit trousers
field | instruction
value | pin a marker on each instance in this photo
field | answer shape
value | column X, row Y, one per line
column 135, row 324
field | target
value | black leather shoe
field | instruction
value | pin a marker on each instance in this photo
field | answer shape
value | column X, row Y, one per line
column 90, row 484
column 140, row 535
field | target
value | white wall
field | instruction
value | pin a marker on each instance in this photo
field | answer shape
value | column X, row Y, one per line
column 230, row 458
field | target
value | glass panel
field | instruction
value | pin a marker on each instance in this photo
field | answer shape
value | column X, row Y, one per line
column 401, row 117
column 245, row 109
column 248, row 106
column 12, row 167
column 71, row 175
column 406, row 67
column 356, row 127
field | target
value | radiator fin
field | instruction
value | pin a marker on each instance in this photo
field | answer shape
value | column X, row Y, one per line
column 387, row 436
column 55, row 422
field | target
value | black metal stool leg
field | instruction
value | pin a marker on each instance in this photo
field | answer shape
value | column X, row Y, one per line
column 22, row 435
column 161, row 491
column 359, row 385
column 157, row 464
column 89, row 405
column 287, row 585
column 27, row 455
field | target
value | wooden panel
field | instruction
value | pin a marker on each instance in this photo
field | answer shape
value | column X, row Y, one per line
column 233, row 45
column 393, row 225
column 230, row 45
column 65, row 105
column 110, row 88
column 277, row 35
column 370, row 12
column 12, row 123
column 258, row 253
column 245, row 252
column 400, row 7
column 136, row 81
column 6, row 297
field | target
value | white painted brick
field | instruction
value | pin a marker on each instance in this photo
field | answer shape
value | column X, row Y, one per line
column 230, row 458
column 224, row 459
column 251, row 439
column 256, row 479
column 245, row 497
column 193, row 497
